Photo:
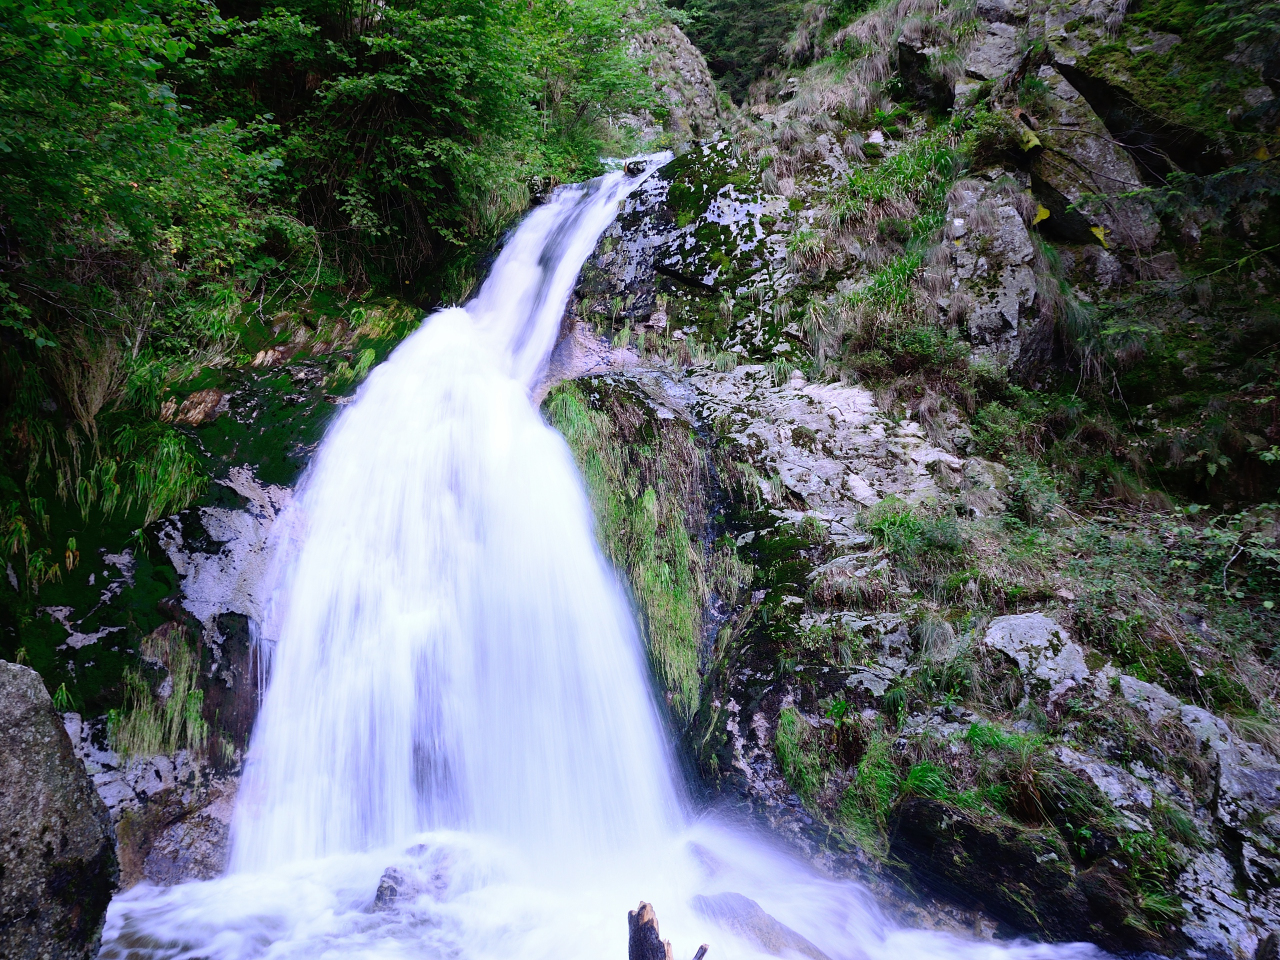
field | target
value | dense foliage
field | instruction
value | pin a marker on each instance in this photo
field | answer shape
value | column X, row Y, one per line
column 740, row 39
column 184, row 185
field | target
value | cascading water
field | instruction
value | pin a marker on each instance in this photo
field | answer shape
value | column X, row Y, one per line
column 458, row 692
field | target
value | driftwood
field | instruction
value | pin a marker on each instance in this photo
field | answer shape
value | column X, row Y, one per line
column 644, row 943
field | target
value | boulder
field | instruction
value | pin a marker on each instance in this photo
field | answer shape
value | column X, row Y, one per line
column 59, row 860
column 996, row 53
column 992, row 277
column 746, row 919
column 1044, row 651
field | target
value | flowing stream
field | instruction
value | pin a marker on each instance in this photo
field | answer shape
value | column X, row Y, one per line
column 459, row 707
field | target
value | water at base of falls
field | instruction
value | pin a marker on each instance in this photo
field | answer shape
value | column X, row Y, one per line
column 459, row 755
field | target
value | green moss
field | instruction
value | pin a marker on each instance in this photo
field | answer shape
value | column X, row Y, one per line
column 1191, row 83
column 642, row 528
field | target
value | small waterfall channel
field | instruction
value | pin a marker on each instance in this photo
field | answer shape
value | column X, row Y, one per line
column 459, row 755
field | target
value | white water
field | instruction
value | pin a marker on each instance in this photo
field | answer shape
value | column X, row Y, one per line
column 458, row 690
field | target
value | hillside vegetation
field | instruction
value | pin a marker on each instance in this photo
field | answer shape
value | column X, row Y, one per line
column 189, row 189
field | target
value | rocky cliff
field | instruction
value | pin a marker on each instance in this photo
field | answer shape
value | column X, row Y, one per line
column 934, row 349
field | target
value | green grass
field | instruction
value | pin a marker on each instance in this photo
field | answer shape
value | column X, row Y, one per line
column 867, row 801
column 641, row 528
column 798, row 755
column 150, row 725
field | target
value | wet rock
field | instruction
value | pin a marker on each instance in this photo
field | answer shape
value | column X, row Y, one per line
column 393, row 886
column 171, row 814
column 1021, row 877
column 581, row 353
column 1081, row 161
column 59, row 862
column 1043, row 650
column 701, row 226
column 746, row 919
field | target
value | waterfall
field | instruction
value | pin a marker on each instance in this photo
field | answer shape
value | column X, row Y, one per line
column 459, row 754
column 451, row 649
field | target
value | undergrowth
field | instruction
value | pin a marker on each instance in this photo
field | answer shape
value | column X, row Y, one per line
column 163, row 720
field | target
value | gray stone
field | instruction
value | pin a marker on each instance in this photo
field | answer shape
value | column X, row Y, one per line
column 1043, row 650
column 1072, row 28
column 58, row 867
column 1127, row 794
column 828, row 443
column 1155, row 701
column 746, row 919
column 996, row 53
column 992, row 272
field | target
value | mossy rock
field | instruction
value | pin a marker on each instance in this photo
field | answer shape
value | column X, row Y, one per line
column 1021, row 877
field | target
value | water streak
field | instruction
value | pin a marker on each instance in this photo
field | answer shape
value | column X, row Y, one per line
column 458, row 691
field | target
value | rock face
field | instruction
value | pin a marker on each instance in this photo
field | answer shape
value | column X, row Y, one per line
column 991, row 275
column 172, row 814
column 1082, row 175
column 1021, row 879
column 680, row 75
column 59, row 864
column 700, row 228
column 1043, row 651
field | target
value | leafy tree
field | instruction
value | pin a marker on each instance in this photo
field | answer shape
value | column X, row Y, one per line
column 164, row 169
